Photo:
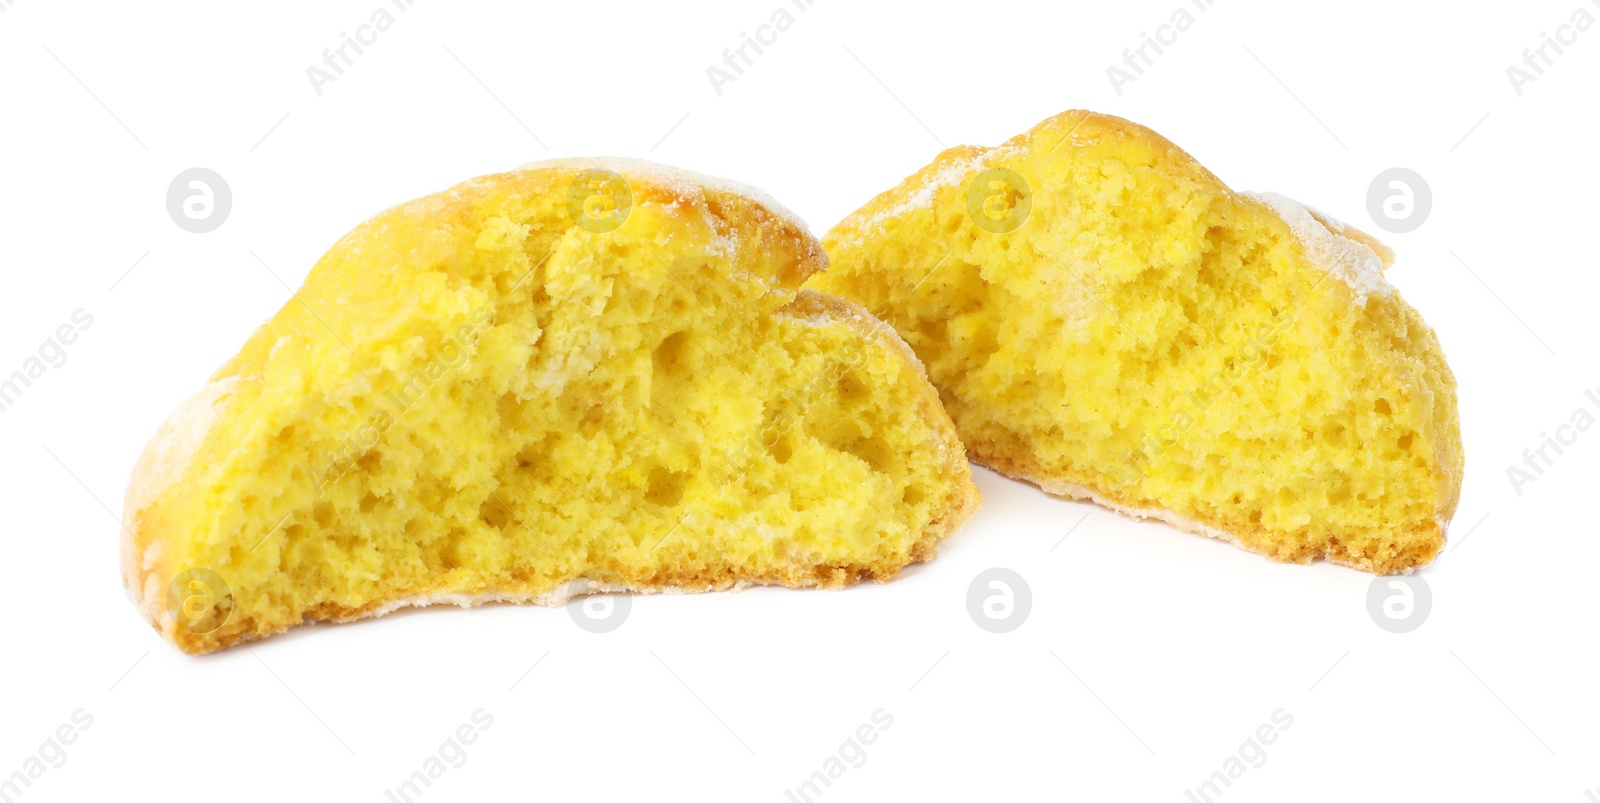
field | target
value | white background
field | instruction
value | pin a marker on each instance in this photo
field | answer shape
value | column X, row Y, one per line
column 1149, row 655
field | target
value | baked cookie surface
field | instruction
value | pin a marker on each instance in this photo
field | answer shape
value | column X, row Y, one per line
column 1105, row 318
column 577, row 377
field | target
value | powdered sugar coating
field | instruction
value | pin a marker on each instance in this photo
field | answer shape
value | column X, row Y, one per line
column 927, row 191
column 161, row 465
column 680, row 181
column 174, row 447
column 1326, row 244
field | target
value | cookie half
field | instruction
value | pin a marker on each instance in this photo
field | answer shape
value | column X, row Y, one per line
column 1105, row 318
column 576, row 377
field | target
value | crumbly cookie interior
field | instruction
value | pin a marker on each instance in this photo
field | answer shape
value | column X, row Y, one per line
column 478, row 399
column 1154, row 337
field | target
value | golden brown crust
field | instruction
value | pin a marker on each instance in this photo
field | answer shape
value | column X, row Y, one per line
column 1021, row 467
